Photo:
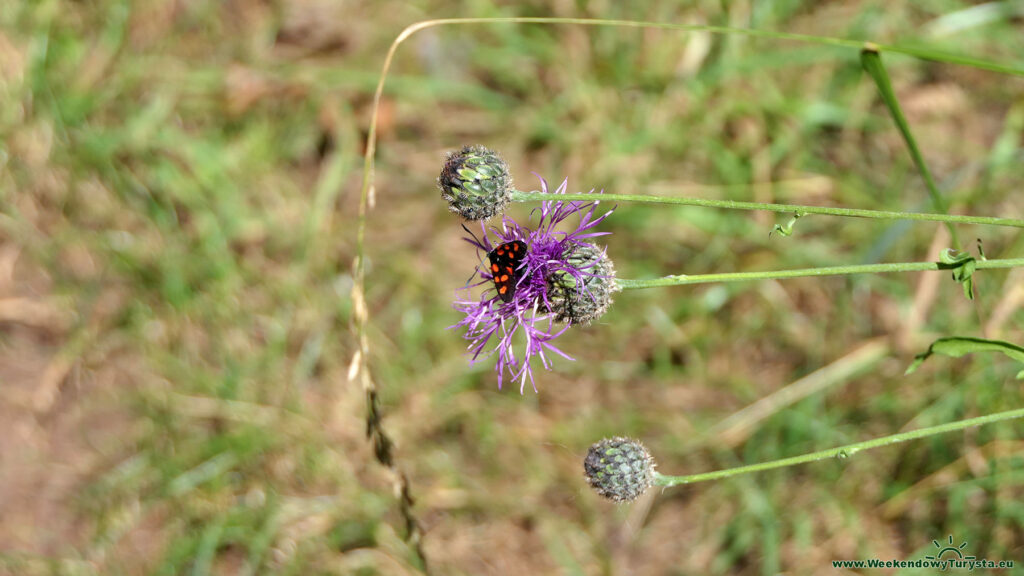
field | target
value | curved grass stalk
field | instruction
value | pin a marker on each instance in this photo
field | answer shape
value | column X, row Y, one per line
column 841, row 452
column 368, row 192
column 359, row 368
column 518, row 196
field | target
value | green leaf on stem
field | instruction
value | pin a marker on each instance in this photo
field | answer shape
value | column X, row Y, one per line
column 957, row 346
column 963, row 266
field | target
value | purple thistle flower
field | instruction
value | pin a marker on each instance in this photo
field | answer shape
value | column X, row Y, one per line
column 562, row 278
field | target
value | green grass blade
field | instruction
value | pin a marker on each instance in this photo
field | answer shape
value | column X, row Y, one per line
column 207, row 550
column 957, row 346
column 872, row 63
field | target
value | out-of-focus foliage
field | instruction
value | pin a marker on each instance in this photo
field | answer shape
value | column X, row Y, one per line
column 178, row 193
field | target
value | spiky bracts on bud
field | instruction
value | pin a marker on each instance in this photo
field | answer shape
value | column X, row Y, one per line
column 585, row 299
column 619, row 469
column 476, row 183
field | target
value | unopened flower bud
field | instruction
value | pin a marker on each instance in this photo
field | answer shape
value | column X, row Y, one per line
column 476, row 183
column 619, row 469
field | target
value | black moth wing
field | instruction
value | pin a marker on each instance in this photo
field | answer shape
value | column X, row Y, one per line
column 505, row 261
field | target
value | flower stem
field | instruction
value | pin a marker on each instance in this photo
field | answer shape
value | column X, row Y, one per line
column 519, row 196
column 683, row 279
column 841, row 452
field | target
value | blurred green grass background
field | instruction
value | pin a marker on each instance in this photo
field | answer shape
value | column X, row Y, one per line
column 178, row 196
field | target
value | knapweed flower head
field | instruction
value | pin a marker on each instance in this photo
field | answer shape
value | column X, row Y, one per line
column 577, row 303
column 476, row 183
column 619, row 469
column 561, row 279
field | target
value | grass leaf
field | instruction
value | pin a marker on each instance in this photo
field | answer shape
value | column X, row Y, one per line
column 957, row 346
column 871, row 61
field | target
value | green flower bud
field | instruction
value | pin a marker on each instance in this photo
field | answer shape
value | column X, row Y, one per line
column 476, row 183
column 581, row 302
column 619, row 469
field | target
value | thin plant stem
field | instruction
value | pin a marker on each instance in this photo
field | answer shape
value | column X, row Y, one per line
column 871, row 61
column 842, row 452
column 683, row 279
column 519, row 196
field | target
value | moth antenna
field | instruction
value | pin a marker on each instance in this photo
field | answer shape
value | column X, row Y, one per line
column 475, row 272
column 473, row 235
column 477, row 269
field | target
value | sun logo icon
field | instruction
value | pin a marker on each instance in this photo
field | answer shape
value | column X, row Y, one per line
column 950, row 548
